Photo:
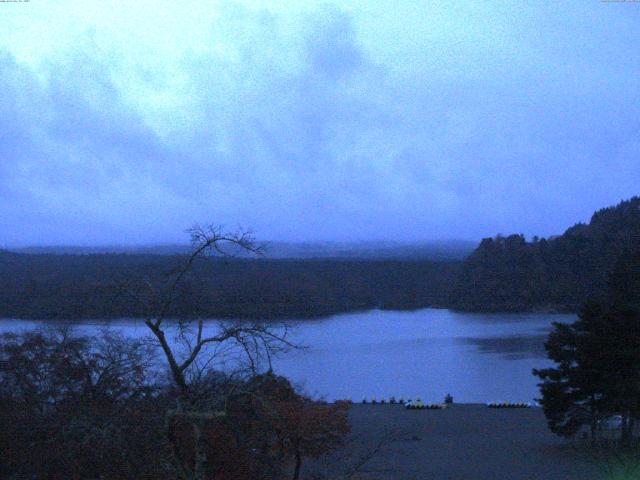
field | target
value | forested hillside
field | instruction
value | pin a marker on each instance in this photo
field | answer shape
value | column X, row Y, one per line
column 436, row 250
column 559, row 273
column 502, row 274
column 101, row 286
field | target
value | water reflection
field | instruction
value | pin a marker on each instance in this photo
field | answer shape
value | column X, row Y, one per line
column 514, row 347
column 426, row 353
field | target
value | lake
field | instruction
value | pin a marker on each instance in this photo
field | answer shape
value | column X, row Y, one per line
column 424, row 353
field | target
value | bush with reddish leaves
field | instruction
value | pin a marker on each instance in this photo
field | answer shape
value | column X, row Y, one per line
column 266, row 431
column 73, row 407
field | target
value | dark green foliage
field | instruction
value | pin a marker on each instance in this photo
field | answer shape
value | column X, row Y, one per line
column 100, row 286
column 624, row 284
column 560, row 273
column 597, row 371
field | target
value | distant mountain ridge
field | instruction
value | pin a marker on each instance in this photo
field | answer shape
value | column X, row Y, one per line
column 430, row 250
column 559, row 273
column 504, row 273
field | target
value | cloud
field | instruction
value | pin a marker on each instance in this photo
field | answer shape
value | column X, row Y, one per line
column 306, row 125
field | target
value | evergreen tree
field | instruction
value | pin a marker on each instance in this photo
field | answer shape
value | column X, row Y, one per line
column 597, row 371
column 624, row 283
column 507, row 273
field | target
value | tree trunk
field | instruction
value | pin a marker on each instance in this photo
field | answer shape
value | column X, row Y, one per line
column 296, row 471
column 176, row 372
column 200, row 462
column 594, row 421
column 627, row 427
column 594, row 430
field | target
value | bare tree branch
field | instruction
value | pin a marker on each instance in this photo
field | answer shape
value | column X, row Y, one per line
column 252, row 339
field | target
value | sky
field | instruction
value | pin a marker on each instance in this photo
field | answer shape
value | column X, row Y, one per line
column 128, row 122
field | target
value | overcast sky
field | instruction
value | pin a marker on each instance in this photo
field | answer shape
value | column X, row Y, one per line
column 127, row 122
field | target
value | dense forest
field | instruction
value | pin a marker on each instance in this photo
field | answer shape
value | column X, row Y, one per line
column 435, row 250
column 505, row 273
column 106, row 286
column 559, row 273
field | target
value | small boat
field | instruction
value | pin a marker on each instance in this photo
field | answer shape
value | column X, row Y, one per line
column 416, row 404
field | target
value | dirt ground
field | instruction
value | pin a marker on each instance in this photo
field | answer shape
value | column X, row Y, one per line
column 462, row 442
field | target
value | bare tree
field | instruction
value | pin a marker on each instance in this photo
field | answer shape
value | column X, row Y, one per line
column 253, row 340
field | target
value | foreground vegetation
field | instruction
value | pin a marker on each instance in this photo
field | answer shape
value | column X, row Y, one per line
column 73, row 407
column 96, row 408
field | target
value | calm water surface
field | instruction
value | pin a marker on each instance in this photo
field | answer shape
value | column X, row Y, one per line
column 424, row 353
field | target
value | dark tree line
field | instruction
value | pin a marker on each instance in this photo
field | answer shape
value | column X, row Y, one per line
column 559, row 273
column 93, row 286
column 502, row 274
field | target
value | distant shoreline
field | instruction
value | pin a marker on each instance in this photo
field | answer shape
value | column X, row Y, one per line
column 98, row 320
